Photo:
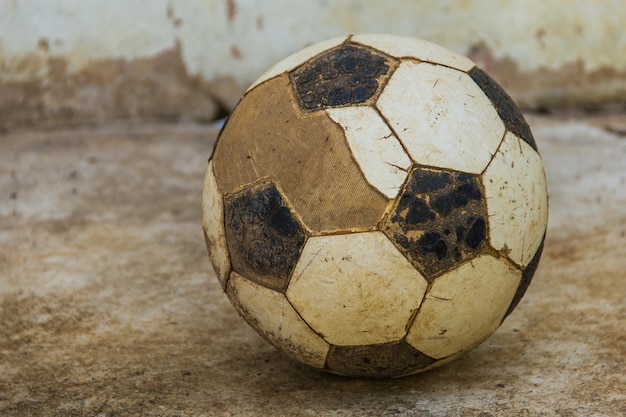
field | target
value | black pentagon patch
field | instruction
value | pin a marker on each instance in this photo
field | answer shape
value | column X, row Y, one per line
column 439, row 220
column 349, row 74
column 505, row 106
column 527, row 276
column 376, row 361
column 264, row 239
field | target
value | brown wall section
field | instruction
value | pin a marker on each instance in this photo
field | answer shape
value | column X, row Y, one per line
column 152, row 88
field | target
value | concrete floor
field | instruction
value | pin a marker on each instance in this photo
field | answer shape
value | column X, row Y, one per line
column 109, row 306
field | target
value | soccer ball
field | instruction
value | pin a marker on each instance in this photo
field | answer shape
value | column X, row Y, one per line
column 375, row 206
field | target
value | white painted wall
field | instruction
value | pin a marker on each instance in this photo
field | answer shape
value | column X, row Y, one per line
column 244, row 37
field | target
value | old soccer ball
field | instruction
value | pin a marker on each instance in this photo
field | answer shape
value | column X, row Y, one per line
column 375, row 206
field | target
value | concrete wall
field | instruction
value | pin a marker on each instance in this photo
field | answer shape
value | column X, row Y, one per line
column 60, row 54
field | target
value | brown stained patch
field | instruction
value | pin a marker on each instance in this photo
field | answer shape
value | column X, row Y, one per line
column 172, row 16
column 235, row 52
column 231, row 10
column 156, row 87
column 307, row 157
column 376, row 361
column 43, row 44
column 569, row 88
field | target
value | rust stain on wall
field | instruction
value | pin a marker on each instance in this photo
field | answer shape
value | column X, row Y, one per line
column 235, row 52
column 176, row 21
column 231, row 10
column 43, row 44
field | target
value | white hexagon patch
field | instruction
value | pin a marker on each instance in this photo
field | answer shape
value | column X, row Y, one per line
column 441, row 117
column 464, row 306
column 355, row 288
column 517, row 203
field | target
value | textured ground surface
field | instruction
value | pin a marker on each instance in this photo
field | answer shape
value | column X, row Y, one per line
column 109, row 307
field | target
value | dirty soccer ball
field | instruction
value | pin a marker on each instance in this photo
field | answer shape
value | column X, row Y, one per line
column 375, row 206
